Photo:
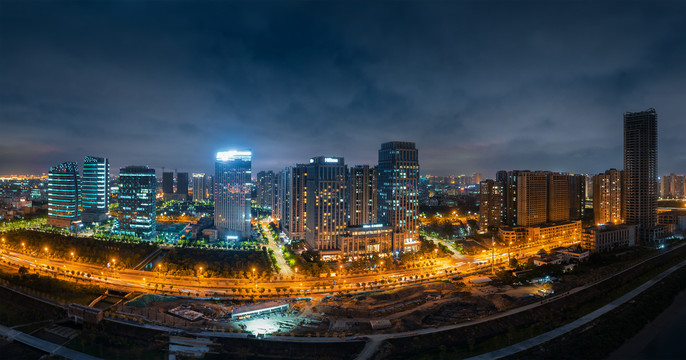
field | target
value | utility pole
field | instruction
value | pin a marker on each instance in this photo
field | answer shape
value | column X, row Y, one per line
column 493, row 255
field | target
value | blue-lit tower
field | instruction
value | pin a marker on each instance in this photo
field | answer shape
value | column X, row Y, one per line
column 397, row 188
column 232, row 183
column 63, row 195
column 95, row 189
column 137, row 202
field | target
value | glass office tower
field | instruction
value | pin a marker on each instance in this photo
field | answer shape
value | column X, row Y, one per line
column 137, row 202
column 398, row 177
column 63, row 195
column 232, row 184
column 95, row 189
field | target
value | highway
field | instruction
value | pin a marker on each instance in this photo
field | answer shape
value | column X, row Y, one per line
column 114, row 276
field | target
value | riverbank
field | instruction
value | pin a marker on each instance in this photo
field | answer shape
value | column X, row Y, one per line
column 661, row 338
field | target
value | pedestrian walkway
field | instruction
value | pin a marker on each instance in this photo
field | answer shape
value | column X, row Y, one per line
column 43, row 345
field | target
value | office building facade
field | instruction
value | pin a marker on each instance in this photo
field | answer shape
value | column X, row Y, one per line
column 137, row 202
column 182, row 186
column 398, row 197
column 167, row 183
column 95, row 189
column 640, row 173
column 266, row 189
column 232, row 194
column 363, row 195
column 63, row 195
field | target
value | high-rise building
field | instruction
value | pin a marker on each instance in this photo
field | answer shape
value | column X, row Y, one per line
column 398, row 200
column 589, row 186
column 137, row 202
column 232, row 193
column 295, row 201
column 577, row 196
column 326, row 205
column 182, row 186
column 490, row 204
column 199, row 192
column 532, row 198
column 95, row 189
column 558, row 197
column 63, row 195
column 209, row 187
column 476, row 178
column 363, row 195
column 168, row 182
column 283, row 195
column 640, row 172
column 266, row 189
column 607, row 197
column 672, row 186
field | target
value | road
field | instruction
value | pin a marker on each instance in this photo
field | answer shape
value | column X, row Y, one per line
column 284, row 269
column 298, row 285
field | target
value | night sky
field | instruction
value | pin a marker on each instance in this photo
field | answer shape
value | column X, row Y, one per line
column 478, row 86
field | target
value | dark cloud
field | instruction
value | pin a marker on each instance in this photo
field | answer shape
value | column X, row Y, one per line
column 479, row 86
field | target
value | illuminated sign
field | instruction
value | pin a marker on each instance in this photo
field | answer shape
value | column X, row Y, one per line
column 231, row 237
column 331, row 160
column 232, row 155
column 371, row 226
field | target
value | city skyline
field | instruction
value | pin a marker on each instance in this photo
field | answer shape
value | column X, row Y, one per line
column 86, row 79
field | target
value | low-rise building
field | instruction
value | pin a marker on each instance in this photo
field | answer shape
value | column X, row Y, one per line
column 608, row 237
column 366, row 239
column 512, row 234
column 577, row 255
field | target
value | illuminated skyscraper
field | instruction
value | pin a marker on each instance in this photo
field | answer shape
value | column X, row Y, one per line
column 198, row 187
column 363, row 195
column 63, row 195
column 232, row 183
column 398, row 201
column 137, row 202
column 95, row 189
column 640, row 172
column 326, row 206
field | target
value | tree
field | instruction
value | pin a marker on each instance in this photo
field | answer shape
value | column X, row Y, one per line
column 23, row 271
